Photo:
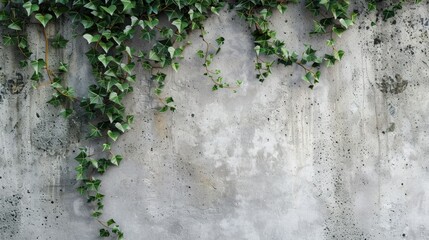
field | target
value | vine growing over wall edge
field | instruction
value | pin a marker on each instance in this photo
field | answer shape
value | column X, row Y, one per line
column 109, row 26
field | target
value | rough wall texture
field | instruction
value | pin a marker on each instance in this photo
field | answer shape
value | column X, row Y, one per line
column 276, row 160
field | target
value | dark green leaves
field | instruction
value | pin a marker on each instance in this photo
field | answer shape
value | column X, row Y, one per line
column 30, row 8
column 43, row 19
column 38, row 65
column 110, row 10
column 59, row 41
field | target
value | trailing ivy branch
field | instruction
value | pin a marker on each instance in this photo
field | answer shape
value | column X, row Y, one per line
column 208, row 56
column 109, row 27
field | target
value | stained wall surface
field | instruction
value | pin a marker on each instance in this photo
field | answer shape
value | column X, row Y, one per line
column 276, row 160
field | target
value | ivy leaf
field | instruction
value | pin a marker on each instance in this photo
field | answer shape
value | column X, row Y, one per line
column 106, row 45
column 94, row 163
column 128, row 68
column 43, row 19
column 339, row 54
column 91, row 39
column 200, row 53
column 104, row 233
column 82, row 155
column 15, row 26
column 105, row 60
column 346, row 22
column 151, row 23
column 38, row 65
column 171, row 50
column 63, row 67
column 282, row 8
column 116, row 160
column 169, row 100
column 59, row 41
column 110, row 10
column 164, row 109
column 30, row 8
column 220, row 41
column 95, row 98
column 120, row 127
column 94, row 132
column 110, row 222
column 106, row 146
column 180, row 25
column 153, row 56
column 128, row 5
column 66, row 112
column 114, row 98
column 113, row 135
column 175, row 66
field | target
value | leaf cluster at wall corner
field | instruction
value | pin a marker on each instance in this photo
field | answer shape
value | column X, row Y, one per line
column 109, row 27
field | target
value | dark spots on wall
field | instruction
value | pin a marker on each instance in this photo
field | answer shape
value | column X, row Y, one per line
column 392, row 85
column 11, row 85
column 10, row 216
column 377, row 41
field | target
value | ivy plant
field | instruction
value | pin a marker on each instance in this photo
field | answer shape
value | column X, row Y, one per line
column 161, row 27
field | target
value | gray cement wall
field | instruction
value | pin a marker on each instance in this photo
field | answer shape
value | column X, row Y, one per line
column 276, row 160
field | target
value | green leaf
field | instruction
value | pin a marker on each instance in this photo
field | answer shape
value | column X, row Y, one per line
column 110, row 222
column 30, row 8
column 92, row 39
column 164, row 109
column 169, row 100
column 180, row 25
column 66, row 112
column 339, row 54
column 220, row 41
column 128, row 5
column 153, row 56
column 38, row 65
column 95, row 98
column 43, row 19
column 94, row 132
column 152, row 22
column 105, row 60
column 106, row 146
column 15, row 26
column 113, row 135
column 63, row 67
column 105, row 45
column 96, row 214
column 175, row 66
column 110, row 10
column 114, row 98
column 307, row 77
column 121, row 127
column 200, row 53
column 94, row 163
column 59, row 41
column 281, row 7
column 104, row 233
column 116, row 160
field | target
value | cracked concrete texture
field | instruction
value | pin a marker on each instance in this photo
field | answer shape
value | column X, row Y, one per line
column 276, row 160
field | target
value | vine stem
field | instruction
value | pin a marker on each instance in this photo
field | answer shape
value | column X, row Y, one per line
column 208, row 71
column 48, row 71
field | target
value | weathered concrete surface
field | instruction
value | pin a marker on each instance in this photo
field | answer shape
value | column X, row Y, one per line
column 276, row 160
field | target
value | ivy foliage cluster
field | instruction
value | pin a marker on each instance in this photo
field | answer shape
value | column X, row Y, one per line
column 162, row 27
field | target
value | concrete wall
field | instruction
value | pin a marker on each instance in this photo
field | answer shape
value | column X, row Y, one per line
column 276, row 160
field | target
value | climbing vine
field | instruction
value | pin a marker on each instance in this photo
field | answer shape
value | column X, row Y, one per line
column 161, row 27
